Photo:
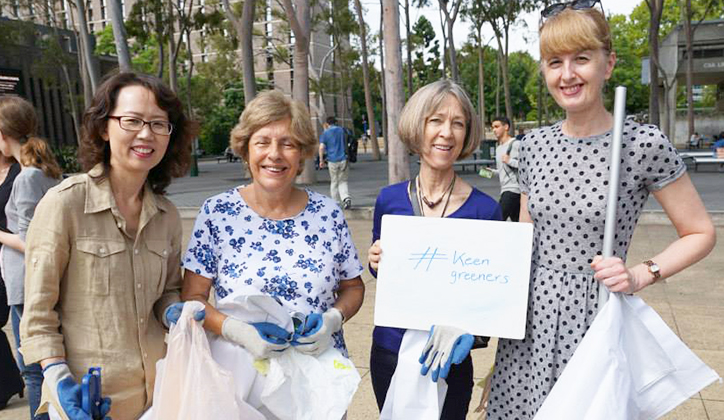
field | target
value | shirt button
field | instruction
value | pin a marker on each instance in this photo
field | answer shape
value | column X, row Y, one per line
column 145, row 355
column 135, row 251
column 120, row 225
column 165, row 252
column 138, row 285
column 141, row 320
column 102, row 250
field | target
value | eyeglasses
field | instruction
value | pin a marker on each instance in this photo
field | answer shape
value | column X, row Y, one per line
column 554, row 9
column 162, row 128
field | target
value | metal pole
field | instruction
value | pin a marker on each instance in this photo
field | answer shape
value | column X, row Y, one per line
column 619, row 115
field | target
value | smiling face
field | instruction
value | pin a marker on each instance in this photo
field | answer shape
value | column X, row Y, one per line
column 576, row 79
column 274, row 156
column 136, row 152
column 444, row 135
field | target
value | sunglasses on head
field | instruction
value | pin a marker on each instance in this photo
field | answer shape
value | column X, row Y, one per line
column 554, row 9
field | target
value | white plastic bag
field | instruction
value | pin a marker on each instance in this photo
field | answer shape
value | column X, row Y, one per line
column 303, row 387
column 190, row 385
column 629, row 365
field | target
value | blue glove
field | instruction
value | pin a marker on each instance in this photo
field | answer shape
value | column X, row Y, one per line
column 262, row 339
column 173, row 313
column 318, row 330
column 67, row 393
column 446, row 346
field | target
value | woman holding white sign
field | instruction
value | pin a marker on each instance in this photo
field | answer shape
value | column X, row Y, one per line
column 564, row 182
column 439, row 123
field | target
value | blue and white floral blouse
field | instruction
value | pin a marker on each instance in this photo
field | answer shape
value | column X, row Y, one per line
column 299, row 260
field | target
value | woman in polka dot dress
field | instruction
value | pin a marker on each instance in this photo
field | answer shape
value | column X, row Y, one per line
column 564, row 183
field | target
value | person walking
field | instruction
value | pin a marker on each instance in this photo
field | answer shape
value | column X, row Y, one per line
column 334, row 142
column 506, row 159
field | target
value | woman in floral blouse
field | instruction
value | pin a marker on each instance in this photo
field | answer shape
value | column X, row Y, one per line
column 272, row 238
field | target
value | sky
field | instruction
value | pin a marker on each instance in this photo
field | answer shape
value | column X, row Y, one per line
column 522, row 38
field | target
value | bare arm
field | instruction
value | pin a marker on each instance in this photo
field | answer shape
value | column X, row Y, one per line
column 13, row 241
column 350, row 295
column 524, row 216
column 197, row 287
column 321, row 155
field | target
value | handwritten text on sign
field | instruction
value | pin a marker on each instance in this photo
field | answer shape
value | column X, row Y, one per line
column 471, row 274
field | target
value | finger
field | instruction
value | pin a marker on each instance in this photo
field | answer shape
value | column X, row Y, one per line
column 615, row 280
column 200, row 315
column 608, row 272
column 445, row 370
column 105, row 406
column 313, row 324
column 596, row 260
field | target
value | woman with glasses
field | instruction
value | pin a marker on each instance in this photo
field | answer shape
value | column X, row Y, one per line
column 103, row 252
column 564, row 184
column 39, row 172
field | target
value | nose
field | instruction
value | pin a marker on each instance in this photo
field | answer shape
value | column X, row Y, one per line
column 446, row 128
column 275, row 150
column 145, row 131
column 567, row 70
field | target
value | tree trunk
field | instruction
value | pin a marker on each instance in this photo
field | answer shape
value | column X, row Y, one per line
column 119, row 35
column 445, row 57
column 409, row 48
column 366, row 79
column 497, row 86
column 244, row 31
column 87, row 94
column 300, row 22
column 450, row 17
column 383, row 88
column 91, row 67
column 172, row 50
column 656, row 8
column 503, row 56
column 481, row 79
column 159, row 37
column 399, row 159
column 686, row 11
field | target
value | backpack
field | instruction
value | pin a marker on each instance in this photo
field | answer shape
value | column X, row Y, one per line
column 350, row 145
column 507, row 152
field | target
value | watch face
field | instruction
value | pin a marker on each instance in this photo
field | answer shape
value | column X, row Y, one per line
column 654, row 268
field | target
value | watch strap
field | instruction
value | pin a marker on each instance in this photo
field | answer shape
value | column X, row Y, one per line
column 650, row 264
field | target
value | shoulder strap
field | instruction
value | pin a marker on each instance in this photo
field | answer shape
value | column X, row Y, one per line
column 412, row 193
column 510, row 146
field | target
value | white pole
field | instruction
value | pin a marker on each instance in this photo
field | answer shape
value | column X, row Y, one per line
column 619, row 115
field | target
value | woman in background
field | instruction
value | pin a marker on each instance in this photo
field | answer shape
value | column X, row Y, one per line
column 40, row 172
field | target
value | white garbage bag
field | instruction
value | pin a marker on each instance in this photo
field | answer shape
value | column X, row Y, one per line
column 190, row 385
column 629, row 365
column 303, row 387
column 411, row 395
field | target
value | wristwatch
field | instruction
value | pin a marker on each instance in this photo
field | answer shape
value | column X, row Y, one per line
column 653, row 269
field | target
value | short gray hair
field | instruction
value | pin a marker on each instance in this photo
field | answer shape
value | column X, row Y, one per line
column 424, row 103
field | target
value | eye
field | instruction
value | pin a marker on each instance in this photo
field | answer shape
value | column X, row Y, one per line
column 132, row 122
column 289, row 144
column 459, row 124
column 582, row 59
column 554, row 62
column 434, row 120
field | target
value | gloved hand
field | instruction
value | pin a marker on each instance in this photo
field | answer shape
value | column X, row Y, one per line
column 445, row 346
column 318, row 330
column 173, row 313
column 67, row 392
column 262, row 339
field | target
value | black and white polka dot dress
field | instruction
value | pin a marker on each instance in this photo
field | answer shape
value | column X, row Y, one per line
column 566, row 181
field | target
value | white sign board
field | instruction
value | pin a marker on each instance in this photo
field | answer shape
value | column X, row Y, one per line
column 471, row 274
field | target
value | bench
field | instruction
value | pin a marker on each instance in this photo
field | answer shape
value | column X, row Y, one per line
column 704, row 160
column 474, row 162
column 691, row 155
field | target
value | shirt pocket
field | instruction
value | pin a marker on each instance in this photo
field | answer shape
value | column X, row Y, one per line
column 158, row 264
column 100, row 258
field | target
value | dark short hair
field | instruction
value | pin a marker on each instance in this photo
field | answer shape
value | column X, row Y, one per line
column 331, row 120
column 94, row 150
column 503, row 120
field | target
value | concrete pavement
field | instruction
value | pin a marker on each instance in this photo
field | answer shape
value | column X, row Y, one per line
column 691, row 303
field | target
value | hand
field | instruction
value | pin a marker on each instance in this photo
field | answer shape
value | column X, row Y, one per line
column 374, row 254
column 173, row 313
column 321, row 164
column 445, row 346
column 318, row 330
column 67, row 392
column 506, row 158
column 612, row 272
column 262, row 339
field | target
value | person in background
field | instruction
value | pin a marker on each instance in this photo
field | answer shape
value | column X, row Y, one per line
column 39, row 172
column 506, row 162
column 439, row 123
column 521, row 134
column 10, row 381
column 104, row 252
column 334, row 142
column 564, row 176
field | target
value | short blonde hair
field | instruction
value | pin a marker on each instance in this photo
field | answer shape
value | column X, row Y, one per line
column 269, row 107
column 574, row 30
column 424, row 103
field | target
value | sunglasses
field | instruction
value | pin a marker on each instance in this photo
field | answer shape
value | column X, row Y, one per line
column 554, row 9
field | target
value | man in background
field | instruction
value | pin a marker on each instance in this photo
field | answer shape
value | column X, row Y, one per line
column 506, row 159
column 334, row 142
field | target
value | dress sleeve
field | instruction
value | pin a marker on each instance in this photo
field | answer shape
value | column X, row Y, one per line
column 201, row 256
column 662, row 164
column 523, row 166
column 46, row 259
column 26, row 198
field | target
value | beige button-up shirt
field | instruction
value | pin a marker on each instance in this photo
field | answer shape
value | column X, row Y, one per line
column 94, row 294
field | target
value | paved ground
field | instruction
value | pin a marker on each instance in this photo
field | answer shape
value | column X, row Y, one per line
column 692, row 303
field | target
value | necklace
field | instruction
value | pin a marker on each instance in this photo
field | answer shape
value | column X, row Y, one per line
column 432, row 204
column 421, row 197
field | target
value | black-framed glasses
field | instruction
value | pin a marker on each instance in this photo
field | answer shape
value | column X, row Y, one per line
column 554, row 9
column 162, row 128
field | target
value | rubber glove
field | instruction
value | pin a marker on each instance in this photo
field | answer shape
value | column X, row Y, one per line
column 173, row 313
column 67, row 392
column 318, row 330
column 262, row 339
column 445, row 346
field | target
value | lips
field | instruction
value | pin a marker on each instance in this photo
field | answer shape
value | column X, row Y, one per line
column 571, row 90
column 275, row 169
column 442, row 148
column 142, row 151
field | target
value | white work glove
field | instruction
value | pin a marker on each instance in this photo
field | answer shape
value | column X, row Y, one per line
column 445, row 346
column 318, row 330
column 262, row 339
column 67, row 392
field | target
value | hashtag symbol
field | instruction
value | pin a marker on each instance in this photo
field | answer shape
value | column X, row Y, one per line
column 427, row 256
